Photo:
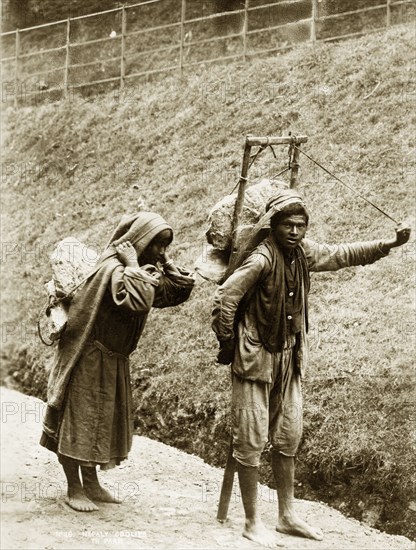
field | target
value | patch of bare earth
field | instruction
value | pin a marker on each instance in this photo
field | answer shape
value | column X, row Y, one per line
column 170, row 500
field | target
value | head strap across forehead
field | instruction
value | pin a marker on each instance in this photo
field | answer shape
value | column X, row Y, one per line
column 284, row 198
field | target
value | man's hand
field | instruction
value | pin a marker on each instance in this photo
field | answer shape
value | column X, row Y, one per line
column 226, row 354
column 127, row 254
column 402, row 236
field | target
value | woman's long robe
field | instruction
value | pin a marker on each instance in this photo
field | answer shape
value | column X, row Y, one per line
column 96, row 424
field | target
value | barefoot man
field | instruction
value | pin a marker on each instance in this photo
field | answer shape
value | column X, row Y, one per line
column 88, row 421
column 260, row 319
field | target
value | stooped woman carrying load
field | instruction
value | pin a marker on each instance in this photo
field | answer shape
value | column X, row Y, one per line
column 88, row 421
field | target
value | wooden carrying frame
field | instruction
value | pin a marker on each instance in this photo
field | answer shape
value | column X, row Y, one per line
column 292, row 141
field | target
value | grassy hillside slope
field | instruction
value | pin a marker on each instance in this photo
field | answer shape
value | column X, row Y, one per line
column 73, row 168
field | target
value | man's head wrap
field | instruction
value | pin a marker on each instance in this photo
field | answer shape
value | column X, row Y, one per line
column 284, row 199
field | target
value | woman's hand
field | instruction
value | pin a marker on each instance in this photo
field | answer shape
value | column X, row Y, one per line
column 127, row 254
column 165, row 258
column 168, row 264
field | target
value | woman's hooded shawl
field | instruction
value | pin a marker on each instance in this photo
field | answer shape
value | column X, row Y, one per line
column 139, row 229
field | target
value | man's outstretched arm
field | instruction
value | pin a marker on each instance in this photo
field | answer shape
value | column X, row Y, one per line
column 325, row 257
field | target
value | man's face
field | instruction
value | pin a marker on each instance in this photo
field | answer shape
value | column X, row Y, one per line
column 290, row 231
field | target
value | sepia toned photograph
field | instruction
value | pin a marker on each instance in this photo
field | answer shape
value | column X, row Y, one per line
column 208, row 322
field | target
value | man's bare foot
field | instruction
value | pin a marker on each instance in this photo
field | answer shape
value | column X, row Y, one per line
column 78, row 500
column 257, row 532
column 95, row 492
column 293, row 525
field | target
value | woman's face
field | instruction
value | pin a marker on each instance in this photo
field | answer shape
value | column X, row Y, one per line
column 155, row 251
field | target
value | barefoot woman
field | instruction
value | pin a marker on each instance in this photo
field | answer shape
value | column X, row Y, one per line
column 88, row 422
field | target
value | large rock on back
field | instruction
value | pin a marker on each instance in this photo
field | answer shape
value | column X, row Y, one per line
column 71, row 261
column 219, row 233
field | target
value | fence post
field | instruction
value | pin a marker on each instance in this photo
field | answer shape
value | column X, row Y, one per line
column 16, row 66
column 66, row 74
column 183, row 12
column 123, row 48
column 388, row 14
column 314, row 20
column 245, row 29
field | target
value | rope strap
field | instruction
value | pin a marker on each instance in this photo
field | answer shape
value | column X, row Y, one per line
column 346, row 185
column 43, row 311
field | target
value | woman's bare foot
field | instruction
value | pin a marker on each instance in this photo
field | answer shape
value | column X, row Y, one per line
column 257, row 532
column 95, row 492
column 293, row 525
column 78, row 500
column 93, row 489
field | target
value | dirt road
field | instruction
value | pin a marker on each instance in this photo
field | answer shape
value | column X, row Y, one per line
column 170, row 500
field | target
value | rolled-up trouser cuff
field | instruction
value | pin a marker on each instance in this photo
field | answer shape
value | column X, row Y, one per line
column 290, row 455
column 248, row 458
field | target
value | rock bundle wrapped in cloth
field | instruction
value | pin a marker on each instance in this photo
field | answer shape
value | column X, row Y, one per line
column 212, row 264
column 71, row 262
column 219, row 232
column 88, row 417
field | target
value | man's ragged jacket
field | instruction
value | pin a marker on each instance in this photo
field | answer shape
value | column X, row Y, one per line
column 254, row 280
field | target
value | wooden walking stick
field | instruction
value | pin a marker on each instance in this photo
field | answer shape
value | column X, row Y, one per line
column 294, row 142
column 227, row 485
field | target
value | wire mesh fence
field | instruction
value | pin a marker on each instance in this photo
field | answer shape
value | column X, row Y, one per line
column 110, row 49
